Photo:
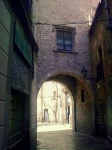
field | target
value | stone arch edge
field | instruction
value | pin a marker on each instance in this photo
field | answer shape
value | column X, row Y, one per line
column 74, row 74
column 79, row 77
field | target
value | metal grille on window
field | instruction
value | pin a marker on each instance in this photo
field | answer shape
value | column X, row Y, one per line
column 20, row 75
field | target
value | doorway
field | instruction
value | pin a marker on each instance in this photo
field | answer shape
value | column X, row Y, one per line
column 46, row 115
column 19, row 121
column 68, row 114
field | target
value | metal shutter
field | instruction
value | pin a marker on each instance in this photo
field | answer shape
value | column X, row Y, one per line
column 20, row 75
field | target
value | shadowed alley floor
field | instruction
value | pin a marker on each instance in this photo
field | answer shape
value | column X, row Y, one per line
column 61, row 137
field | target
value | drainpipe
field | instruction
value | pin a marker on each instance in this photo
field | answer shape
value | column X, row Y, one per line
column 109, row 21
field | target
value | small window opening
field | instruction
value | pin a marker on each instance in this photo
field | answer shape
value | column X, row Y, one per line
column 82, row 96
column 100, row 71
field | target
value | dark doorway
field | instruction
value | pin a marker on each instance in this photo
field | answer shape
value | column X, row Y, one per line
column 19, row 121
column 68, row 114
column 46, row 116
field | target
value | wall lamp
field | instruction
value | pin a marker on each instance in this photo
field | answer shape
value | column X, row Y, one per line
column 84, row 72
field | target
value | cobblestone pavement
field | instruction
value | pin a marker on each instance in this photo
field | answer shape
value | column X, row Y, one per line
column 61, row 137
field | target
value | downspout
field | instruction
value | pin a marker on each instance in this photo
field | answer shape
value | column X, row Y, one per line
column 109, row 21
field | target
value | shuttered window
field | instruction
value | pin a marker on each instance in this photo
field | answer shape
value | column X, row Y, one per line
column 20, row 75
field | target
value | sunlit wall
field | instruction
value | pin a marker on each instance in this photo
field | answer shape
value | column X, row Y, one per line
column 54, row 104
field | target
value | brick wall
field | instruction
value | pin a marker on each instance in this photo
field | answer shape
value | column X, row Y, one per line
column 103, row 90
column 50, row 61
column 56, row 12
column 95, row 3
column 94, row 7
column 84, row 111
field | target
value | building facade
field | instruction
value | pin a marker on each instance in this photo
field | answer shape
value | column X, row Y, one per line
column 101, row 45
column 18, row 51
column 62, row 29
column 54, row 106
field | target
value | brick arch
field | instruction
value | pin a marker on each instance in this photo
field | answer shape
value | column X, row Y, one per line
column 72, row 73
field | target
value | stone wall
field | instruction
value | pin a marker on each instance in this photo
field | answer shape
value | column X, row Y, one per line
column 84, row 111
column 7, row 19
column 49, row 14
column 4, row 54
column 100, row 37
column 94, row 7
column 58, row 12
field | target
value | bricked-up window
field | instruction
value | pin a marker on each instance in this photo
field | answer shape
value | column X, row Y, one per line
column 82, row 96
column 100, row 71
column 64, row 40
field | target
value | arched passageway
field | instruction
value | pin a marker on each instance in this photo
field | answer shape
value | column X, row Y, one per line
column 54, row 104
column 82, row 104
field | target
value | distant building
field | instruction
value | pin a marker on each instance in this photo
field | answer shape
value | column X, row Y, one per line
column 54, row 104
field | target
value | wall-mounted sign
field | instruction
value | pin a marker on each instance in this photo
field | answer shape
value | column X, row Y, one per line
column 23, row 44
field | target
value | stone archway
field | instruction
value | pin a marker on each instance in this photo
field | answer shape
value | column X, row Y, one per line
column 83, row 112
column 75, row 74
column 57, row 99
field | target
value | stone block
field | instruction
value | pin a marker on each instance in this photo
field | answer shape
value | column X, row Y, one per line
column 4, row 39
column 3, row 63
column 34, row 87
column 2, row 112
column 5, row 17
column 2, row 87
column 33, row 122
column 1, row 136
column 6, row 135
column 33, row 109
column 35, row 79
column 34, row 99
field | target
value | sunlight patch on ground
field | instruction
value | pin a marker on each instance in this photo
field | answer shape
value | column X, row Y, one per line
column 53, row 127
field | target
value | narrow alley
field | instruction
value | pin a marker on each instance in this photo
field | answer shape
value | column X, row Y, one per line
column 56, row 75
column 61, row 137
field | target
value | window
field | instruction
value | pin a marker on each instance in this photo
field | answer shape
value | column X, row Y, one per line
column 64, row 40
column 82, row 96
column 100, row 71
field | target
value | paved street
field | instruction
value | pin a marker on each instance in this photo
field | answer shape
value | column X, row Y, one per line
column 61, row 137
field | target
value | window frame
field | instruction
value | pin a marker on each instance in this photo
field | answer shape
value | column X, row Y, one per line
column 65, row 29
